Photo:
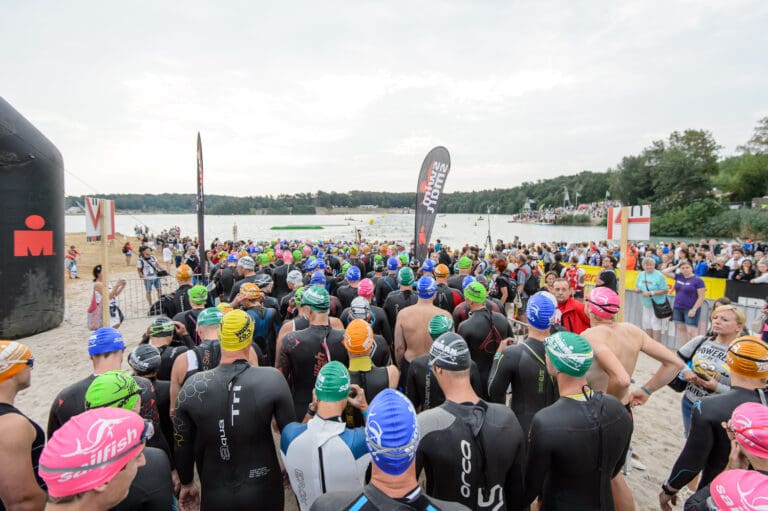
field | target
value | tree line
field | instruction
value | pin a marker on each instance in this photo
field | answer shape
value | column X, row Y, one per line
column 683, row 177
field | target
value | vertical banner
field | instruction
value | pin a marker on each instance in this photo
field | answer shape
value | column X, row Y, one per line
column 434, row 172
column 200, row 206
column 94, row 217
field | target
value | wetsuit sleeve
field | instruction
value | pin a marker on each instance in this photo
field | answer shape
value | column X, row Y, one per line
column 159, row 496
column 386, row 330
column 538, row 462
column 184, row 431
column 501, row 374
column 53, row 417
column 283, row 401
column 513, row 486
column 697, row 448
column 411, row 388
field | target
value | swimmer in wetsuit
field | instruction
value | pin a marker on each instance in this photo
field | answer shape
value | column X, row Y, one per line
column 471, row 451
column 483, row 330
column 577, row 445
column 303, row 353
column 523, row 366
column 221, row 427
column 398, row 300
column 392, row 437
column 708, row 446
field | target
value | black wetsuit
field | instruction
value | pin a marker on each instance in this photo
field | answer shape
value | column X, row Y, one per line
column 372, row 382
column 71, row 401
column 472, row 454
column 222, row 424
column 189, row 320
column 168, row 355
column 37, row 444
column 303, row 354
column 181, row 299
column 163, row 395
column 238, row 284
column 379, row 323
column 461, row 311
column 397, row 301
column 524, row 367
column 288, row 309
column 280, row 278
column 707, row 446
column 225, row 279
column 267, row 323
column 457, row 281
column 345, row 295
column 152, row 488
column 483, row 330
column 447, row 298
column 422, row 388
column 207, row 355
column 383, row 287
column 575, row 449
column 372, row 499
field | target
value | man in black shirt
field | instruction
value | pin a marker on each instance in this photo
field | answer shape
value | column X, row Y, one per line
column 471, row 451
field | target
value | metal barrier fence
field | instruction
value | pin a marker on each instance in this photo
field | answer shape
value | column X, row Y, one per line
column 133, row 299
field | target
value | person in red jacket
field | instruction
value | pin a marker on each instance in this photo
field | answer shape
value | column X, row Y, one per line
column 573, row 317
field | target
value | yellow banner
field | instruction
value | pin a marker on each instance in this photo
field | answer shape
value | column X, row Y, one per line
column 715, row 288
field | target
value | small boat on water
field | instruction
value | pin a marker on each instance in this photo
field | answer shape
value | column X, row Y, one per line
column 296, row 227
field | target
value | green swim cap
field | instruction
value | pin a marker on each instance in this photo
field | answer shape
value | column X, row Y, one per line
column 317, row 298
column 113, row 389
column 297, row 255
column 297, row 296
column 439, row 324
column 344, row 268
column 405, row 276
column 210, row 316
column 465, row 263
column 475, row 292
column 332, row 382
column 378, row 257
column 570, row 353
column 263, row 259
column 198, row 294
column 403, row 258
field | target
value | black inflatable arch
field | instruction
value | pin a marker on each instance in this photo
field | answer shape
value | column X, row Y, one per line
column 31, row 228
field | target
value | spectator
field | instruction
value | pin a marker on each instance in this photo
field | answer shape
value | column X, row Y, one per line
column 689, row 297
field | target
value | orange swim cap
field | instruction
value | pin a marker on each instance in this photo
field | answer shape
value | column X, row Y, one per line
column 358, row 338
column 183, row 272
column 748, row 357
column 13, row 358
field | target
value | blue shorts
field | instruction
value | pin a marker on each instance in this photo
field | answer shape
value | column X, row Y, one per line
column 152, row 282
column 681, row 316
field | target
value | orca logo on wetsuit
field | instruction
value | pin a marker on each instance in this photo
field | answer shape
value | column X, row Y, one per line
column 495, row 495
column 224, row 444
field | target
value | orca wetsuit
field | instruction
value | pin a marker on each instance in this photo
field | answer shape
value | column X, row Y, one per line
column 421, row 386
column 372, row 499
column 472, row 454
column 222, row 424
column 483, row 330
column 575, row 448
column 523, row 366
column 707, row 446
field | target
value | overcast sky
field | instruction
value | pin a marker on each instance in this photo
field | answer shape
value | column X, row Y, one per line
column 341, row 95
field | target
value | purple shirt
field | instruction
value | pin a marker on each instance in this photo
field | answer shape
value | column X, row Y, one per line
column 687, row 290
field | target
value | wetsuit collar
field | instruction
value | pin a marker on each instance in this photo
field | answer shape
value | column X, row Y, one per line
column 361, row 364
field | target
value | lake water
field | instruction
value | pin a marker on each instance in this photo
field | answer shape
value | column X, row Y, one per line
column 451, row 229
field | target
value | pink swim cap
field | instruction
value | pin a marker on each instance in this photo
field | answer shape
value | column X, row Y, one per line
column 365, row 288
column 307, row 250
column 90, row 449
column 603, row 302
column 279, row 253
column 749, row 423
column 287, row 256
column 743, row 490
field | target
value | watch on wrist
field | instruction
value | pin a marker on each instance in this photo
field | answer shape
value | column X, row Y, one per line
column 668, row 490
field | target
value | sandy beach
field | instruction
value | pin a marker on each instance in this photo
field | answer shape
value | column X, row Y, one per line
column 61, row 358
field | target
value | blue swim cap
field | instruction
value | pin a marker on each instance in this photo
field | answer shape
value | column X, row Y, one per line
column 391, row 432
column 318, row 279
column 392, row 264
column 467, row 281
column 232, row 258
column 310, row 265
column 321, row 265
column 539, row 311
column 428, row 266
column 353, row 273
column 105, row 340
column 426, row 287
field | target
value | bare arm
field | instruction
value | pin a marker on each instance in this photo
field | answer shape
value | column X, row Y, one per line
column 394, row 376
column 671, row 365
column 19, row 490
column 399, row 343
